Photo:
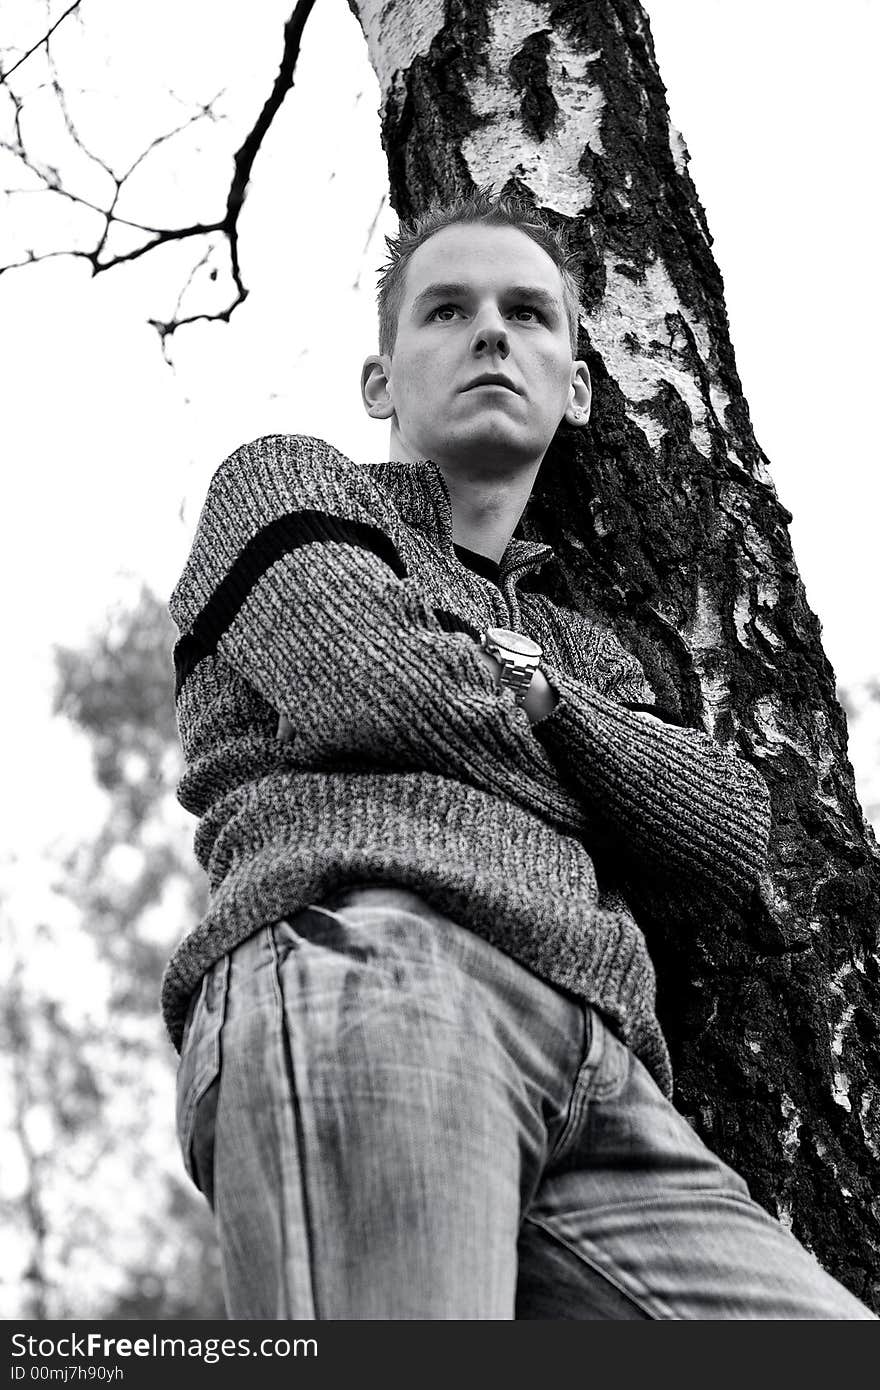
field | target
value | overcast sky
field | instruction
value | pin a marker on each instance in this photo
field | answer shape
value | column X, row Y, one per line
column 107, row 453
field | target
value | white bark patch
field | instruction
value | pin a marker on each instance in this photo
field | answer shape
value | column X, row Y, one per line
column 842, row 973
column 679, row 149
column 742, row 615
column 825, row 763
column 775, row 737
column 397, row 32
column 840, row 1031
column 791, row 1123
column 840, row 1090
column 763, row 475
column 835, row 985
column 870, row 1122
column 761, row 552
column 783, row 1213
column 681, row 159
column 772, row 892
column 815, row 746
column 638, row 22
column 705, row 640
column 758, row 594
column 501, row 146
column 698, row 223
column 821, row 1151
column 630, row 331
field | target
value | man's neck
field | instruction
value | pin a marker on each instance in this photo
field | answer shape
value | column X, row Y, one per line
column 485, row 511
column 486, row 507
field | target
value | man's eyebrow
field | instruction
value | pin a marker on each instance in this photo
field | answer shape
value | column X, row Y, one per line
column 456, row 290
column 441, row 290
column 537, row 296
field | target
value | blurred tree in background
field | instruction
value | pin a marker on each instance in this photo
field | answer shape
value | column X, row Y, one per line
column 104, row 1220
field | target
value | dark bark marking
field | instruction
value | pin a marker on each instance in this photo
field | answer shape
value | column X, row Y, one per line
column 530, row 73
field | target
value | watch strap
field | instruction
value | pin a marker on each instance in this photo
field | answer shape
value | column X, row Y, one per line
column 516, row 675
column 517, row 669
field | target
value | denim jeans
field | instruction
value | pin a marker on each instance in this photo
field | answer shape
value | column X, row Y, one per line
column 392, row 1119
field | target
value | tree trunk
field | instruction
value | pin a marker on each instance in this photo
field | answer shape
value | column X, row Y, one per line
column 668, row 528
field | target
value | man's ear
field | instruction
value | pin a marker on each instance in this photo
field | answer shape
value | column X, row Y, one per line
column 580, row 395
column 376, row 387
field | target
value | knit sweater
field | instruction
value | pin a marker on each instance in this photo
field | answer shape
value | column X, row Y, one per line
column 334, row 593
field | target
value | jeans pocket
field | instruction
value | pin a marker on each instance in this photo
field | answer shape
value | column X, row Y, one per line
column 198, row 1074
column 201, row 1146
column 608, row 1063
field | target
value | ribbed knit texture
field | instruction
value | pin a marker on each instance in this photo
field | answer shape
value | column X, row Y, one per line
column 333, row 594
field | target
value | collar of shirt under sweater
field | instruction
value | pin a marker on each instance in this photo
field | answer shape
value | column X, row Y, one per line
column 422, row 500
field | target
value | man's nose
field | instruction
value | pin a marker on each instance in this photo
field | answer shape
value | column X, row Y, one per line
column 490, row 335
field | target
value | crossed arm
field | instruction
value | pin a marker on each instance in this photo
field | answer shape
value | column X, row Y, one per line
column 314, row 608
column 540, row 698
column 667, row 801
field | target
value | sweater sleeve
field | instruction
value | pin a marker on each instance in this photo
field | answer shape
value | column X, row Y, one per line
column 668, row 801
column 295, row 580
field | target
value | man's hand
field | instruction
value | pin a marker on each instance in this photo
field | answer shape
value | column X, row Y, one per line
column 541, row 698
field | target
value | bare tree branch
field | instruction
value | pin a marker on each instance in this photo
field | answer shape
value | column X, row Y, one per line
column 51, row 179
column 69, row 125
column 225, row 227
column 4, row 76
column 192, row 319
column 243, row 164
column 205, row 111
column 369, row 238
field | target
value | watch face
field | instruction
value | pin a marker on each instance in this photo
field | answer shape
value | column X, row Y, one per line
column 513, row 641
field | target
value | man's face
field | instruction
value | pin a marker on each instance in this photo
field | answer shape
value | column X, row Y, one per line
column 481, row 302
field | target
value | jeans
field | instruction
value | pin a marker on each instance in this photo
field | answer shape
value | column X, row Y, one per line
column 392, row 1119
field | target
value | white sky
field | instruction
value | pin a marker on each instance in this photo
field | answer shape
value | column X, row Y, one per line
column 101, row 442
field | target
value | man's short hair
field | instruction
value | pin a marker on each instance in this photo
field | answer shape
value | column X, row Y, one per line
column 482, row 206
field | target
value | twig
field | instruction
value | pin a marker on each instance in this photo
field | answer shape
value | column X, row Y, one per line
column 4, row 76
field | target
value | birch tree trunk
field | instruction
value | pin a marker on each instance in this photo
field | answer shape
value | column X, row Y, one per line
column 668, row 528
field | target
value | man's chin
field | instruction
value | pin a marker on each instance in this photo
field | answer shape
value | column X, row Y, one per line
column 499, row 442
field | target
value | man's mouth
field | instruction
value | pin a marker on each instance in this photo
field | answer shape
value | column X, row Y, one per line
column 492, row 379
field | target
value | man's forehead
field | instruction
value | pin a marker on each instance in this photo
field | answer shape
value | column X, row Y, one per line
column 472, row 254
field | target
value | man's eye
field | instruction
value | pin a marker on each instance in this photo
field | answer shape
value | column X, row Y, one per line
column 443, row 309
column 528, row 309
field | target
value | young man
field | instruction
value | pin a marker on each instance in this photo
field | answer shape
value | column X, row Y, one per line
column 421, row 1074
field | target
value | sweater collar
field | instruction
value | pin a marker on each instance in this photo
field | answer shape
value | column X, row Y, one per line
column 422, row 498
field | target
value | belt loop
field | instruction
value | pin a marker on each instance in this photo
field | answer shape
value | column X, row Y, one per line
column 596, row 1027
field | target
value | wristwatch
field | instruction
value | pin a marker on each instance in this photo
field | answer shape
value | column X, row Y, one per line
column 519, row 657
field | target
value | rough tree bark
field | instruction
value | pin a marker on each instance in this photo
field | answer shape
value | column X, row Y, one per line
column 668, row 527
